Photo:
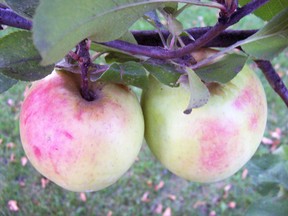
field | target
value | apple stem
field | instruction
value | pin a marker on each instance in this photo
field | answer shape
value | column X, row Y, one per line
column 84, row 60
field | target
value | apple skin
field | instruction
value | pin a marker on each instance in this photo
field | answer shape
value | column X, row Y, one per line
column 77, row 144
column 214, row 141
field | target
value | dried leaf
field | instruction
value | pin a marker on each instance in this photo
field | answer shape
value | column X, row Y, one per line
column 198, row 204
column 267, row 141
column 167, row 212
column 232, row 205
column 44, row 182
column 227, row 187
column 212, row 213
column 275, row 145
column 159, row 186
column 145, row 197
column 172, row 197
column 83, row 197
column 276, row 134
column 10, row 102
column 10, row 145
column 110, row 213
column 12, row 158
column 149, row 183
column 24, row 161
column 1, row 140
column 13, row 206
column 22, row 183
column 158, row 209
column 244, row 173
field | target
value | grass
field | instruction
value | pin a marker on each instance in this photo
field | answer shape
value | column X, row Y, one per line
column 126, row 197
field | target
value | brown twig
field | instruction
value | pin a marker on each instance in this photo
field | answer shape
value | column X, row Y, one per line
column 274, row 79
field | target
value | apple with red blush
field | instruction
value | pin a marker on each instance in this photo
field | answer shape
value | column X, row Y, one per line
column 78, row 144
column 214, row 141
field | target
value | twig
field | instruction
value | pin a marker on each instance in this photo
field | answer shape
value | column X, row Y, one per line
column 10, row 18
column 160, row 53
column 274, row 79
column 226, row 38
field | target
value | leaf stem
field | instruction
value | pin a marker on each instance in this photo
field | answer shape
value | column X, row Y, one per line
column 274, row 79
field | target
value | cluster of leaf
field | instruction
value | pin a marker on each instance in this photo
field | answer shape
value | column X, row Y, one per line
column 269, row 174
column 59, row 25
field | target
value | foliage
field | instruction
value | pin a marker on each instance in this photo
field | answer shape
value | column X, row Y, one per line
column 58, row 26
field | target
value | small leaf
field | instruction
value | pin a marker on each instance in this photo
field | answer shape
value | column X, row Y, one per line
column 223, row 70
column 128, row 73
column 165, row 73
column 6, row 83
column 199, row 93
column 268, row 207
column 119, row 57
column 270, row 9
column 23, row 7
column 270, row 40
column 19, row 59
column 13, row 205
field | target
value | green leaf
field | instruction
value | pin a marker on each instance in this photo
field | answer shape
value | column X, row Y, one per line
column 6, row 83
column 165, row 73
column 128, row 73
column 8, row 31
column 268, row 207
column 270, row 40
column 199, row 93
column 19, row 59
column 59, row 25
column 23, row 7
column 268, row 173
column 119, row 57
column 270, row 9
column 223, row 70
column 55, row 33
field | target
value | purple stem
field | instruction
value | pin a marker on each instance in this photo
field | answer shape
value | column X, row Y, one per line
column 274, row 79
column 10, row 18
column 213, row 32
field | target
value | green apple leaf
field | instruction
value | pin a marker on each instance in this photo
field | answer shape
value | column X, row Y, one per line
column 268, row 172
column 8, row 31
column 55, row 34
column 222, row 70
column 19, row 59
column 23, row 7
column 119, row 57
column 165, row 73
column 268, row 207
column 59, row 25
column 199, row 93
column 270, row 9
column 128, row 73
column 269, row 41
column 6, row 83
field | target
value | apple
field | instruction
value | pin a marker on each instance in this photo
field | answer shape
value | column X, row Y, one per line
column 80, row 145
column 215, row 140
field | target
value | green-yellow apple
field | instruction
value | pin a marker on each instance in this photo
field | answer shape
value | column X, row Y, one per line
column 80, row 145
column 214, row 141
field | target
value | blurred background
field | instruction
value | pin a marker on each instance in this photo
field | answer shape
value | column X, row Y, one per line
column 148, row 188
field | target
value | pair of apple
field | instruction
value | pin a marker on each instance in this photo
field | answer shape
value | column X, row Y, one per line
column 88, row 145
